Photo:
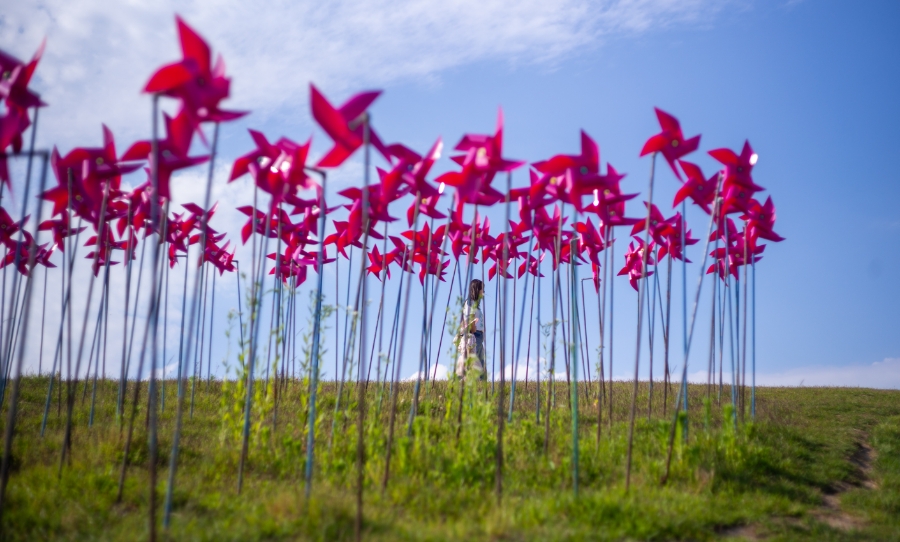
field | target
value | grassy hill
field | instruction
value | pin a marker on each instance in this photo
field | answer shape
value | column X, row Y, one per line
column 816, row 464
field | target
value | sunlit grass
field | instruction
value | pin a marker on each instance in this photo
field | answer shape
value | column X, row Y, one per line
column 770, row 475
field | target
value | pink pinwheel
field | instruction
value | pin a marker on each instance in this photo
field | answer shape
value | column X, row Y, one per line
column 401, row 256
column 701, row 190
column 8, row 228
column 94, row 170
column 746, row 249
column 220, row 258
column 572, row 177
column 18, row 254
column 12, row 125
column 377, row 212
column 501, row 267
column 738, row 169
column 212, row 238
column 590, row 239
column 431, row 264
column 725, row 229
column 723, row 260
column 548, row 230
column 485, row 151
column 344, row 126
column 482, row 160
column 670, row 142
column 588, row 162
column 42, row 257
column 471, row 186
column 259, row 218
column 538, row 194
column 634, row 262
column 737, row 199
column 613, row 214
column 533, row 265
column 105, row 247
column 278, row 169
column 380, row 264
column 194, row 81
column 425, row 241
column 14, row 78
column 671, row 242
column 761, row 220
column 412, row 168
column 287, row 267
column 173, row 151
column 657, row 225
column 60, row 229
column 427, row 207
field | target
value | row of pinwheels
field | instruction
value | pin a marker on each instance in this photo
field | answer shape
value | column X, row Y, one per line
column 89, row 185
column 89, row 180
column 89, row 190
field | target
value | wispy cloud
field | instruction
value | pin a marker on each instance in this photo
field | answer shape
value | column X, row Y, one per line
column 100, row 54
column 881, row 374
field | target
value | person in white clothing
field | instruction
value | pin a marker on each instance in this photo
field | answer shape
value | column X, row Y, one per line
column 470, row 353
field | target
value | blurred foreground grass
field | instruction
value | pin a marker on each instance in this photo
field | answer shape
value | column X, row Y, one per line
column 817, row 464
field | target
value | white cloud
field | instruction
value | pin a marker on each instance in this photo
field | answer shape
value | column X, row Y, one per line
column 100, row 54
column 438, row 372
column 880, row 374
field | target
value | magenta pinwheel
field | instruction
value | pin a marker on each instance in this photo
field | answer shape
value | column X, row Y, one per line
column 637, row 264
column 670, row 142
column 344, row 125
column 702, row 191
column 761, row 220
column 93, row 171
column 14, row 78
column 194, row 80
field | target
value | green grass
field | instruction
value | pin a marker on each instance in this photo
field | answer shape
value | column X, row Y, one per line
column 768, row 479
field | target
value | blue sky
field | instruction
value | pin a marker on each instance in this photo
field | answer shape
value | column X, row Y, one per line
column 812, row 85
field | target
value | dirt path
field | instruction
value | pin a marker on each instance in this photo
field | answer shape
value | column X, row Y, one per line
column 830, row 512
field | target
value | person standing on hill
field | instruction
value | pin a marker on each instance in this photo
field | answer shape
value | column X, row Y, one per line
column 470, row 338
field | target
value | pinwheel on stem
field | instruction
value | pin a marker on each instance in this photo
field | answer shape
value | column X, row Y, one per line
column 14, row 78
column 670, row 142
column 637, row 263
column 279, row 169
column 760, row 219
column 671, row 238
column 8, row 229
column 482, row 160
column 590, row 240
column 103, row 250
column 657, row 224
column 697, row 187
column 200, row 87
column 172, row 151
column 17, row 254
column 344, row 127
column 93, row 170
column 194, row 80
column 60, row 228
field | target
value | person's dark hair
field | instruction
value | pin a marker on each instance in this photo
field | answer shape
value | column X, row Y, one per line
column 476, row 289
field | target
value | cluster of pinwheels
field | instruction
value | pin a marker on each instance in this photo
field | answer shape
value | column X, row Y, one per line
column 728, row 191
column 89, row 180
column 89, row 187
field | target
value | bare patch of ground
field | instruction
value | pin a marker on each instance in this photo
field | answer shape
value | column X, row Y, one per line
column 832, row 513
